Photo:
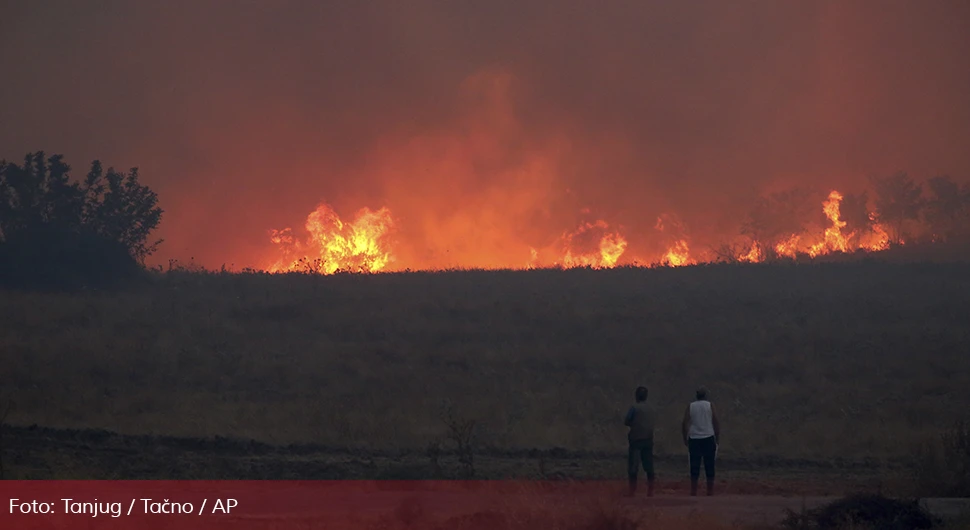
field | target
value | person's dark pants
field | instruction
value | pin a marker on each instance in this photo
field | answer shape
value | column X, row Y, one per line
column 702, row 449
column 640, row 454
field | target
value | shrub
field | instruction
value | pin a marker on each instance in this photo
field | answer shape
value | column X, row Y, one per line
column 865, row 510
column 60, row 233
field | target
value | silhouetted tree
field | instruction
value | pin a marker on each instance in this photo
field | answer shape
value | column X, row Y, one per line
column 118, row 208
column 854, row 212
column 778, row 216
column 947, row 210
column 898, row 199
column 57, row 231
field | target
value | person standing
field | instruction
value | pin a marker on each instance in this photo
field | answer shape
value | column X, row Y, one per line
column 702, row 433
column 640, row 419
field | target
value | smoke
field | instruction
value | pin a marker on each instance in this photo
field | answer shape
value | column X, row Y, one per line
column 485, row 127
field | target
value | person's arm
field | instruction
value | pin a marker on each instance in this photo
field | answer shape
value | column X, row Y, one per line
column 684, row 425
column 717, row 425
column 628, row 420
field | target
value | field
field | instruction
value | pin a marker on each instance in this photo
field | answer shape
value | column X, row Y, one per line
column 832, row 373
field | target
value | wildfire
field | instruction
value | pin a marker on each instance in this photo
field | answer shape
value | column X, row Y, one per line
column 333, row 245
column 834, row 240
column 678, row 255
column 752, row 256
column 609, row 246
column 486, row 193
column 362, row 245
column 789, row 247
column 879, row 239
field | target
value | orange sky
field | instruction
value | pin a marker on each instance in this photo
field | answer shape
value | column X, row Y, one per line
column 485, row 127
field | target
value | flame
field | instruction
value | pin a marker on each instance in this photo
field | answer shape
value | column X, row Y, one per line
column 362, row 245
column 833, row 240
column 789, row 247
column 678, row 255
column 610, row 246
column 879, row 239
column 333, row 245
column 752, row 256
column 489, row 188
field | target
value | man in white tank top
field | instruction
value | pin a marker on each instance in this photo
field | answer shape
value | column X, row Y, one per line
column 701, row 432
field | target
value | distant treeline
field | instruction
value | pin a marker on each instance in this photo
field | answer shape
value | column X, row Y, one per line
column 936, row 210
column 61, row 232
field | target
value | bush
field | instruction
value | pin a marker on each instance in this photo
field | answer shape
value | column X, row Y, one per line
column 60, row 233
column 865, row 510
column 49, row 259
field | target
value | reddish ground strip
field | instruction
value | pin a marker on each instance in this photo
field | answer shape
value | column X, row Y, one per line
column 356, row 504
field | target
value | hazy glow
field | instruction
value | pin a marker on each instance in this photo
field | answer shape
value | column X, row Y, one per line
column 496, row 134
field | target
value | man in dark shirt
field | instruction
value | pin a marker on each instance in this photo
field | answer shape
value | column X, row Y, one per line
column 640, row 419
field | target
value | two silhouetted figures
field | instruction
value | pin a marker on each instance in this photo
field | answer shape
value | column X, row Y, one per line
column 700, row 430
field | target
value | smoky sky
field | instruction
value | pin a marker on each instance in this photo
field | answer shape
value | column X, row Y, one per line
column 476, row 122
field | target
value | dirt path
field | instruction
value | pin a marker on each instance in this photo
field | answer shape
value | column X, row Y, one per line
column 413, row 504
column 328, row 486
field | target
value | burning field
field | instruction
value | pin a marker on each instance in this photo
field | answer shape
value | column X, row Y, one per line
column 487, row 190
column 514, row 134
column 366, row 243
column 447, row 240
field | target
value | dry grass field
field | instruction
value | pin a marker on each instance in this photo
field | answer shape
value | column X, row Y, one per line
column 819, row 364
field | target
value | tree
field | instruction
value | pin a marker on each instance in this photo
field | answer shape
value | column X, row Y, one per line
column 947, row 210
column 898, row 200
column 854, row 212
column 118, row 208
column 57, row 230
column 779, row 216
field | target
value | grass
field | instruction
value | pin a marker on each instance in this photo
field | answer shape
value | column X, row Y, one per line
column 855, row 362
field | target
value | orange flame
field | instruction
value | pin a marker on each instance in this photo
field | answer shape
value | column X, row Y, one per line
column 789, row 247
column 333, row 245
column 610, row 247
column 752, row 256
column 678, row 255
column 879, row 239
column 833, row 240
column 362, row 245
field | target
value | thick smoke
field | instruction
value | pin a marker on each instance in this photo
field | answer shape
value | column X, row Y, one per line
column 486, row 127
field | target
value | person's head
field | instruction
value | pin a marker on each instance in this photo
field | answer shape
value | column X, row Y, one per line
column 641, row 393
column 701, row 393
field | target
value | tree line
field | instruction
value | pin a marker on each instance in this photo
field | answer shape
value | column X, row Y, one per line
column 937, row 210
column 61, row 232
